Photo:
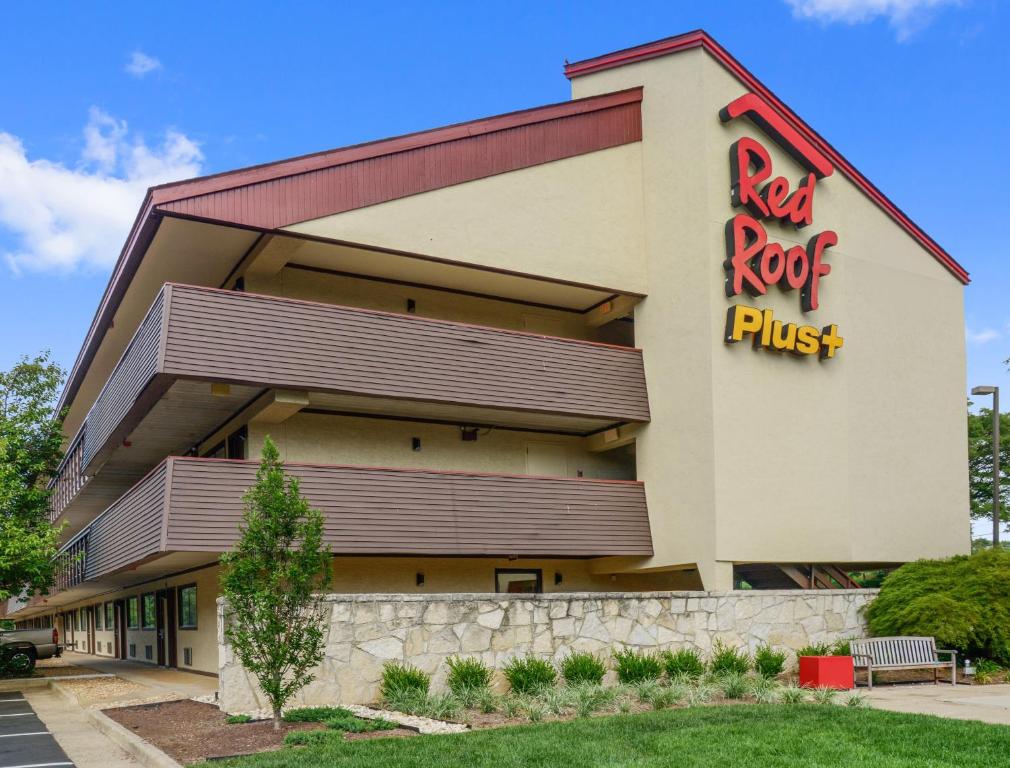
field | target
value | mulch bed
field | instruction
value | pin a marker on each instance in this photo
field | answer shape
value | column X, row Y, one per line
column 190, row 731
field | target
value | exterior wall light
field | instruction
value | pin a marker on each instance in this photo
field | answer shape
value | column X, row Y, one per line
column 419, row 579
column 415, row 443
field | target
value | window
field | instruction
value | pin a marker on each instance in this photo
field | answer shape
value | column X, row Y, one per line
column 232, row 447
column 187, row 607
column 518, row 580
column 82, row 624
column 132, row 614
column 98, row 618
column 148, row 611
column 110, row 616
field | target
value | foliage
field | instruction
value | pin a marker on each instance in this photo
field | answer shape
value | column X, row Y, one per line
column 771, row 736
column 238, row 719
column 353, row 724
column 635, row 666
column 31, row 435
column 987, row 671
column 962, row 601
column 529, row 674
column 683, row 663
column 270, row 583
column 815, row 649
column 313, row 714
column 589, row 698
column 734, row 685
column 728, row 660
column 398, row 679
column 769, row 663
column 791, row 694
column 980, row 464
column 414, row 701
column 842, row 648
column 582, row 667
column 856, row 700
column 467, row 676
column 825, row 695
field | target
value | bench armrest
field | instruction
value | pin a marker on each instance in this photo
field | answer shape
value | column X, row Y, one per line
column 953, row 654
column 861, row 656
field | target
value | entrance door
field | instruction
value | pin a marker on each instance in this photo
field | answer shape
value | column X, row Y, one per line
column 166, row 628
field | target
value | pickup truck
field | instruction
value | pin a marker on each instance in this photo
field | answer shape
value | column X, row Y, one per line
column 21, row 648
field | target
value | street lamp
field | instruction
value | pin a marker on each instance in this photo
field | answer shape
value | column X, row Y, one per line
column 994, row 391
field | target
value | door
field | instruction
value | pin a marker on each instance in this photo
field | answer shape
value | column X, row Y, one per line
column 121, row 629
column 166, row 628
column 547, row 459
column 90, row 618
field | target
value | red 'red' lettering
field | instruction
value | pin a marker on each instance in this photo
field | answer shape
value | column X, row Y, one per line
column 775, row 194
column 815, row 252
column 745, row 239
column 800, row 205
column 744, row 154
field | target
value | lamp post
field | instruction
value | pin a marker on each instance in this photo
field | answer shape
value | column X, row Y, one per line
column 994, row 391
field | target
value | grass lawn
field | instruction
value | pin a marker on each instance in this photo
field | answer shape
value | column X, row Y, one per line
column 763, row 736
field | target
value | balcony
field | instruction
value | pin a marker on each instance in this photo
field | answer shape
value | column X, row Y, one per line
column 164, row 396
column 187, row 511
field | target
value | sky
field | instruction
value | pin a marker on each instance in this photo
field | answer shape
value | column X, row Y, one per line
column 101, row 100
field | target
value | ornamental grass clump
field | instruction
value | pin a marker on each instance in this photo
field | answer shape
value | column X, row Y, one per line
column 401, row 681
column 582, row 667
column 815, row 649
column 468, row 678
column 962, row 601
column 636, row 666
column 684, row 663
column 769, row 663
column 734, row 685
column 727, row 660
column 529, row 674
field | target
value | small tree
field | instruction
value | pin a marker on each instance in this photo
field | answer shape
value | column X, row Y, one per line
column 980, row 464
column 271, row 582
column 30, row 439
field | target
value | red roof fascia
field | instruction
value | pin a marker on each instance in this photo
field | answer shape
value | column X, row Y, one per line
column 701, row 39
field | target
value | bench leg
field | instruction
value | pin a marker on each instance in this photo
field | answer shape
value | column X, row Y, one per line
column 936, row 675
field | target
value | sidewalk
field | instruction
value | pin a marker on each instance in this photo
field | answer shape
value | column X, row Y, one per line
column 155, row 681
column 988, row 703
column 69, row 725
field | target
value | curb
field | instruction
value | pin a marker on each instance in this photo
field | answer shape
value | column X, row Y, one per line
column 143, row 751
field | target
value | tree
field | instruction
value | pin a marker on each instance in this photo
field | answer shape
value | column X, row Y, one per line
column 980, row 464
column 271, row 581
column 31, row 435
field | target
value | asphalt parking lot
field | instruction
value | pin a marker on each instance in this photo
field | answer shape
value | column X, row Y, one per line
column 25, row 742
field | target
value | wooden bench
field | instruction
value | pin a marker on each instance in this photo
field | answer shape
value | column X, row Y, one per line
column 889, row 653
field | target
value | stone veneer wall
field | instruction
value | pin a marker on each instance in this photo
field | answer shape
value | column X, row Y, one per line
column 365, row 631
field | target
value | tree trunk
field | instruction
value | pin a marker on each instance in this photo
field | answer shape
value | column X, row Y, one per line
column 277, row 718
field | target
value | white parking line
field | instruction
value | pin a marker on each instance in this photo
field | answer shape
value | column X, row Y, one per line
column 33, row 733
column 35, row 765
column 19, row 714
column 21, row 699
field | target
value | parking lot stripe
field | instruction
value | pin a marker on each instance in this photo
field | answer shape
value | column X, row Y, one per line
column 32, row 733
column 36, row 765
column 19, row 714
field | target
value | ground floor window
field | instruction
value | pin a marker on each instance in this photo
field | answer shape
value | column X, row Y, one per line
column 110, row 616
column 99, row 624
column 148, row 611
column 187, row 607
column 132, row 614
column 518, row 580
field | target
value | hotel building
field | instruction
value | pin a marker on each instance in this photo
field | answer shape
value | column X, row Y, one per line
column 661, row 336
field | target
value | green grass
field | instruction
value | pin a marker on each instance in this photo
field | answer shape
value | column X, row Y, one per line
column 761, row 736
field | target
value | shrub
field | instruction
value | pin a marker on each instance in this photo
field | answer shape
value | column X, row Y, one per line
column 986, row 671
column 529, row 674
column 856, row 701
column 398, row 679
column 636, row 666
column 825, row 695
column 353, row 724
column 816, row 649
column 487, row 701
column 963, row 601
column 701, row 693
column 842, row 648
column 238, row 719
column 726, row 660
column 582, row 667
column 769, row 663
column 467, row 676
column 684, row 663
column 589, row 698
column 766, row 691
column 791, row 694
column 315, row 714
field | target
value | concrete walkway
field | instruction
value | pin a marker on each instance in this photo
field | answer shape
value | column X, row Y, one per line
column 988, row 703
column 172, row 683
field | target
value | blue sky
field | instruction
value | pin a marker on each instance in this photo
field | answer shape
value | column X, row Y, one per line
column 99, row 102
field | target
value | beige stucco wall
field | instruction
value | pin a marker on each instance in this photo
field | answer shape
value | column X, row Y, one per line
column 576, row 219
column 315, row 438
column 752, row 456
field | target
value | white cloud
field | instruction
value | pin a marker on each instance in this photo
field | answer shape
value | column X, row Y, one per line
column 141, row 64
column 63, row 218
column 906, row 16
column 983, row 336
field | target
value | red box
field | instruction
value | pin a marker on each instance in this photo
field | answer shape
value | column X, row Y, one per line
column 827, row 672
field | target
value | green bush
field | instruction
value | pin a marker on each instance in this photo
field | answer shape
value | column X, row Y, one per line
column 986, row 671
column 963, row 601
column 636, row 666
column 769, row 663
column 683, row 663
column 728, row 661
column 842, row 648
column 529, row 674
column 398, row 679
column 467, row 676
column 734, row 685
column 314, row 714
column 353, row 724
column 582, row 667
column 816, row 649
column 238, row 719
